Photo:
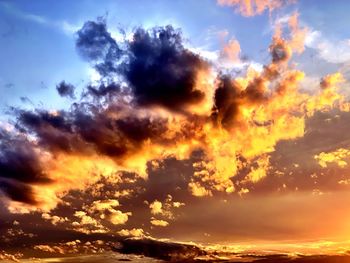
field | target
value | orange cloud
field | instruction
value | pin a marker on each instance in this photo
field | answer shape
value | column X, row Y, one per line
column 338, row 157
column 253, row 7
column 236, row 124
column 231, row 51
column 158, row 222
column 298, row 35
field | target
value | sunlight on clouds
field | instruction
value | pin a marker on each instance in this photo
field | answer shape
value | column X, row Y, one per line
column 135, row 232
column 158, row 222
column 233, row 138
column 256, row 111
column 253, row 7
column 258, row 173
column 338, row 157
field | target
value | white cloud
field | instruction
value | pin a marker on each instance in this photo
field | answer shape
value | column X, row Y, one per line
column 331, row 51
column 68, row 28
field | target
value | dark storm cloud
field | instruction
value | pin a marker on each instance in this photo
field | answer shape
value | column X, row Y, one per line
column 19, row 168
column 254, row 92
column 137, row 129
column 280, row 51
column 156, row 65
column 161, row 70
column 86, row 126
column 41, row 118
column 229, row 97
column 103, row 90
column 226, row 104
column 169, row 251
column 53, row 131
column 18, row 160
column 117, row 137
column 180, row 252
column 95, row 44
column 65, row 90
column 18, row 191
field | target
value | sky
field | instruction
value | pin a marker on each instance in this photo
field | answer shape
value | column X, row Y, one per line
column 210, row 129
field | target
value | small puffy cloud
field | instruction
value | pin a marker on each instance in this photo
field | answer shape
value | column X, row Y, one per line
column 102, row 205
column 65, row 89
column 178, row 204
column 198, row 190
column 260, row 171
column 135, row 232
column 231, row 51
column 165, row 208
column 50, row 249
column 10, row 257
column 243, row 191
column 156, row 207
column 54, row 219
column 117, row 217
column 105, row 209
column 85, row 219
column 338, row 157
column 73, row 247
column 159, row 222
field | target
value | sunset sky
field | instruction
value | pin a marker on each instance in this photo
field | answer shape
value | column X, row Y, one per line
column 174, row 130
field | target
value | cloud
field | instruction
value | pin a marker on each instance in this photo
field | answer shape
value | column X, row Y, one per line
column 95, row 43
column 162, row 250
column 164, row 209
column 158, row 100
column 333, row 51
column 331, row 80
column 338, row 156
column 149, row 63
column 10, row 257
column 72, row 247
column 155, row 57
column 178, row 252
column 20, row 166
column 117, row 217
column 231, row 51
column 258, row 173
column 253, row 7
column 198, row 190
column 159, row 222
column 135, row 232
column 54, row 219
column 87, row 220
column 65, row 90
column 103, row 91
column 64, row 26
column 156, row 207
column 105, row 210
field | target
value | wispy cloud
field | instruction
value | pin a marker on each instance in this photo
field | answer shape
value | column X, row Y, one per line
column 331, row 51
column 62, row 25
